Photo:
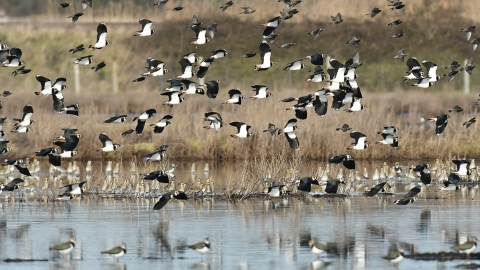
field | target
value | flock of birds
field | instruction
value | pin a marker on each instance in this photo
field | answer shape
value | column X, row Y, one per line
column 342, row 87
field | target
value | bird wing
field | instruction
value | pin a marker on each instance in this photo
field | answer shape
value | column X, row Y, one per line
column 292, row 140
column 411, row 193
column 106, row 141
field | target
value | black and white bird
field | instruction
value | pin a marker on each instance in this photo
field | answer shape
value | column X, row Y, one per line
column 12, row 185
column 409, row 197
column 53, row 155
column 48, row 86
column 21, row 70
column 295, row 65
column 468, row 123
column 68, row 142
column 72, row 109
column 203, row 67
column 317, row 76
column 305, row 183
column 360, row 142
column 174, row 98
column 441, row 122
column 347, row 161
column 191, row 88
column 375, row 189
column 187, row 69
column 4, row 149
column 84, row 60
column 160, row 3
column 101, row 37
column 116, row 119
column 79, row 48
column 220, row 53
column 99, row 66
column 300, row 110
column 19, row 165
column 212, row 88
column 316, row 59
column 215, row 119
column 462, row 167
column 389, row 138
column 64, row 5
column 292, row 138
column 11, row 57
column 431, row 71
column 320, row 103
column 265, row 54
column 108, row 145
column 160, row 125
column 242, row 130
column 75, row 17
column 26, row 119
column 146, row 28
column 158, row 154
column 166, row 197
column 260, row 92
column 160, row 176
column 75, row 188
column 469, row 31
column 200, row 37
column 331, row 186
column 235, row 97
column 142, row 118
column 155, row 68
column 424, row 171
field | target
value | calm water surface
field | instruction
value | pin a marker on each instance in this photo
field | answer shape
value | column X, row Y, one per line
column 251, row 234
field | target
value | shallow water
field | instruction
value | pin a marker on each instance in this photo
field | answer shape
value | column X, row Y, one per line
column 250, row 234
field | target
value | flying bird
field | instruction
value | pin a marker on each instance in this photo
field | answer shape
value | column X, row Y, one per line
column 101, row 37
column 226, row 5
column 146, row 28
column 75, row 17
column 242, row 130
column 108, row 145
column 160, row 125
column 409, row 197
column 142, row 118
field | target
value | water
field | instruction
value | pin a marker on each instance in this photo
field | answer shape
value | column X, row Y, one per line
column 250, row 234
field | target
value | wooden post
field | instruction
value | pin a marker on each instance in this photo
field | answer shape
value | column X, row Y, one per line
column 466, row 79
column 76, row 75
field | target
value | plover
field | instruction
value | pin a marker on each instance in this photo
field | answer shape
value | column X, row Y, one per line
column 242, row 130
column 160, row 125
column 108, row 145
column 235, row 97
column 146, row 28
column 101, row 37
column 117, row 252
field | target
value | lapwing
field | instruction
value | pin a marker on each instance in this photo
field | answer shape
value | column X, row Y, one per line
column 54, row 157
column 396, row 4
column 226, row 5
column 260, row 92
column 48, row 86
column 441, row 122
column 187, row 69
column 4, row 149
column 235, row 97
column 26, row 119
column 295, row 65
column 99, row 66
column 300, row 110
column 67, row 142
column 425, row 174
column 317, row 248
column 107, row 143
column 12, row 60
column 72, row 109
column 174, row 98
column 431, row 71
column 409, row 197
column 275, row 191
column 158, row 154
column 160, row 176
column 146, row 28
column 451, row 184
column 336, row 19
column 64, row 5
column 305, row 183
column 456, row 109
column 375, row 189
column 142, row 118
column 398, row 34
column 265, row 54
column 101, row 37
column 320, row 103
column 127, row 132
column 116, row 119
column 273, row 22
column 87, row 3
column 347, row 161
column 160, row 3
column 75, row 17
column 212, row 88
column 166, row 197
column 75, row 188
column 84, row 60
column 155, row 68
column 394, row 256
column 389, row 139
column 242, row 130
column 467, row 247
column 117, row 252
column 249, row 55
column 331, row 186
column 201, row 247
column 12, row 185
column 215, row 119
column 179, row 8
column 462, row 167
column 316, row 59
column 220, row 53
column 317, row 76
column 79, row 48
column 203, row 67
column 200, row 37
column 160, row 125
column 360, row 142
column 212, row 29
column 469, row 31
column 65, row 248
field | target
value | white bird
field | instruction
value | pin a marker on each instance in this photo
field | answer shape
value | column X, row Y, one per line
column 155, row 68
column 174, row 98
column 215, row 119
column 235, row 97
column 360, row 142
column 101, row 37
column 260, row 91
column 187, row 69
column 265, row 53
column 108, row 145
column 295, row 65
column 84, row 60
